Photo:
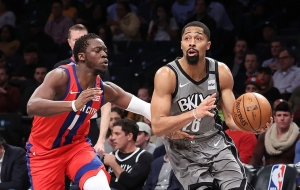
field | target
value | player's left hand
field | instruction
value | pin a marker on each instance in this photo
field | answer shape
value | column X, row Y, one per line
column 267, row 127
column 180, row 135
column 109, row 159
column 99, row 148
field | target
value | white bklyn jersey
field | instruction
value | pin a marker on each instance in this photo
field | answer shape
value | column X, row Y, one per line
column 189, row 94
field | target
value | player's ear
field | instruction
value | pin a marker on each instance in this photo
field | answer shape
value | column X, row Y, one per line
column 208, row 45
column 81, row 57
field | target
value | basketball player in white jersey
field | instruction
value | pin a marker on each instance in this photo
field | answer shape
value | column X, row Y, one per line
column 183, row 109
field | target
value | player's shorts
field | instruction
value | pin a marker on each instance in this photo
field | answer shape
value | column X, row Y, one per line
column 47, row 168
column 214, row 159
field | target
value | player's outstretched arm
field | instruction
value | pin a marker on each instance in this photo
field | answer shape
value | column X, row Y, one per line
column 162, row 123
column 227, row 99
column 42, row 101
column 116, row 95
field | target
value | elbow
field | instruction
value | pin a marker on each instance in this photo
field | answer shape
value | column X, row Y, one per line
column 156, row 131
column 31, row 107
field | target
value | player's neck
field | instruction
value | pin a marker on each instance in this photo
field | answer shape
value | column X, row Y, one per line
column 197, row 71
column 129, row 148
column 86, row 76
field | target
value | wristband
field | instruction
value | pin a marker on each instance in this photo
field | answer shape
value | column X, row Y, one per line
column 73, row 106
column 194, row 114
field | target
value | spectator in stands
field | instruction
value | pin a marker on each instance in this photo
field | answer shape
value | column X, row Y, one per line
column 13, row 167
column 9, row 95
column 267, row 88
column 245, row 143
column 294, row 100
column 201, row 15
column 32, row 59
column 116, row 114
column 143, row 138
column 68, row 10
column 236, row 63
column 112, row 12
column 287, row 78
column 161, row 176
column 128, row 166
column 99, row 18
column 3, row 62
column 105, row 35
column 269, row 32
column 273, row 63
column 277, row 145
column 217, row 11
column 127, row 26
column 251, row 65
column 7, row 17
column 297, row 51
column 29, row 87
column 58, row 27
column 252, row 85
column 145, row 94
column 37, row 35
column 8, row 42
column 163, row 27
column 182, row 10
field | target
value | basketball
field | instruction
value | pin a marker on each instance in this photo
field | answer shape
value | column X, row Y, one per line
column 251, row 112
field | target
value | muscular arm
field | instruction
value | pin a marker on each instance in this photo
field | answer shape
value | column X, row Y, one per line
column 162, row 123
column 42, row 101
column 227, row 98
column 125, row 100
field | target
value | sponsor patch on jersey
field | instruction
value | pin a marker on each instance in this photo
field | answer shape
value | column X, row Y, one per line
column 97, row 98
column 212, row 85
column 277, row 177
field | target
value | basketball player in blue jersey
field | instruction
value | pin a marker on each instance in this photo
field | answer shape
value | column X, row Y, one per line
column 62, row 107
column 183, row 108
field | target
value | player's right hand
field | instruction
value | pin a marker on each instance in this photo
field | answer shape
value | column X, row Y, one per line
column 205, row 106
column 87, row 95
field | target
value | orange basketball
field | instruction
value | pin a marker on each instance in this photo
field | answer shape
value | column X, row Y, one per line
column 251, row 111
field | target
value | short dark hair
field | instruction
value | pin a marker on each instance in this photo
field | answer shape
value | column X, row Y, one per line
column 82, row 43
column 126, row 6
column 58, row 2
column 118, row 111
column 290, row 52
column 128, row 126
column 283, row 106
column 200, row 25
column 2, row 141
column 31, row 47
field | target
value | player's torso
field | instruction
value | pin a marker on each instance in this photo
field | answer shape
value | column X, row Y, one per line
column 125, row 163
column 66, row 128
column 189, row 94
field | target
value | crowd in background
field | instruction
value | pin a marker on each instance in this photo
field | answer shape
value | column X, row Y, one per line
column 259, row 40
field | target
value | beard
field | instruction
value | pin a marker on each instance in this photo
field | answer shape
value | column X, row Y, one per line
column 192, row 60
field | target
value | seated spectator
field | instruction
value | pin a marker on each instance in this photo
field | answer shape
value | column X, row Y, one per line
column 297, row 153
column 162, row 176
column 116, row 114
column 245, row 143
column 127, row 26
column 201, row 15
column 277, row 145
column 163, row 27
column 144, row 93
column 32, row 59
column 68, row 10
column 251, row 66
column 128, row 166
column 143, row 138
column 159, row 151
column 105, row 35
column 287, row 78
column 13, row 167
column 112, row 10
column 9, row 95
column 58, row 27
column 8, row 42
column 273, row 63
column 7, row 17
column 29, row 87
column 267, row 88
column 294, row 102
column 182, row 10
column 252, row 85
